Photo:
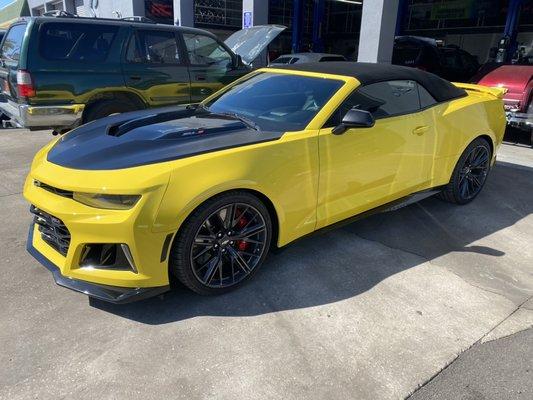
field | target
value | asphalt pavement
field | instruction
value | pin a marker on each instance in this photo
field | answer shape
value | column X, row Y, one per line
column 411, row 301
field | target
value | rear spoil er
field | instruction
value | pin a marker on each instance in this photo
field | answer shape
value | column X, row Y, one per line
column 111, row 294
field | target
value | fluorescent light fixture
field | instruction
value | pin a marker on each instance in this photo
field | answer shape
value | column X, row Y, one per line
column 350, row 1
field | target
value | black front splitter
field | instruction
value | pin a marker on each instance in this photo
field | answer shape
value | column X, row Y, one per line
column 112, row 294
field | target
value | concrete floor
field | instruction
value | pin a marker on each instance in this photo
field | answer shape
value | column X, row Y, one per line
column 370, row 311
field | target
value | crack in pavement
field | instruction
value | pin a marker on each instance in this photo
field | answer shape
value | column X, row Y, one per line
column 469, row 347
column 10, row 194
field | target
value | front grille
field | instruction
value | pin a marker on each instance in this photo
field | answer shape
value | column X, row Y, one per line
column 53, row 230
column 52, row 189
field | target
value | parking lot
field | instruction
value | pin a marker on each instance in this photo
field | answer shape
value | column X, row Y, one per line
column 372, row 310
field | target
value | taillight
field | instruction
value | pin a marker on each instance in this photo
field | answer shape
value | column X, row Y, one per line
column 25, row 84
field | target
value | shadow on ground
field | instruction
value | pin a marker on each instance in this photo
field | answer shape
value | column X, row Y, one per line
column 346, row 262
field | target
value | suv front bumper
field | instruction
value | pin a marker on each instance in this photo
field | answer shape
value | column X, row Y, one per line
column 44, row 117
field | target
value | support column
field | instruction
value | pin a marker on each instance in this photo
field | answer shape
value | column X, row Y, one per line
column 254, row 12
column 184, row 12
column 403, row 8
column 378, row 25
column 297, row 22
column 511, row 26
column 318, row 23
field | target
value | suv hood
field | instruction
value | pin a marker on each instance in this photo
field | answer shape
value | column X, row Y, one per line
column 250, row 42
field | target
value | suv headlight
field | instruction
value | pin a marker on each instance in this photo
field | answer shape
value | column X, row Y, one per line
column 107, row 201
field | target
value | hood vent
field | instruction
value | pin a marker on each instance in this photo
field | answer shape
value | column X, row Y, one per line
column 122, row 128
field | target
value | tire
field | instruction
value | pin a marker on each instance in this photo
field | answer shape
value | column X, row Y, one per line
column 105, row 108
column 470, row 173
column 211, row 255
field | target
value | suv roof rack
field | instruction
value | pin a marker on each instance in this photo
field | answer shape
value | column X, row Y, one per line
column 65, row 14
column 136, row 18
column 59, row 13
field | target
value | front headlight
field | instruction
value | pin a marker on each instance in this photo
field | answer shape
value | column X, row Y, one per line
column 107, row 201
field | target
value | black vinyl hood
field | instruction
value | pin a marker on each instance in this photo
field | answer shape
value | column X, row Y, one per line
column 151, row 136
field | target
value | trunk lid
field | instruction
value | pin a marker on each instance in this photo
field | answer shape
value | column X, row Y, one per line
column 250, row 42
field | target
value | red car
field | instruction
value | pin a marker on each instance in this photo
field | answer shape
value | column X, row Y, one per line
column 518, row 80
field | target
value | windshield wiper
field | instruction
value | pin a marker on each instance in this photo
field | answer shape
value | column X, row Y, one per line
column 248, row 122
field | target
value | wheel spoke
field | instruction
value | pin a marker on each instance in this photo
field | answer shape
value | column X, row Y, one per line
column 246, row 233
column 241, row 263
column 202, row 252
column 214, row 264
column 476, row 181
column 203, row 240
column 229, row 218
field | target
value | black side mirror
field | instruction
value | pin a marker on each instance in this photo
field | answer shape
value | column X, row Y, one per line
column 354, row 118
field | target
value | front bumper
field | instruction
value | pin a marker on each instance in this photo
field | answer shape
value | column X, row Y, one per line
column 44, row 117
column 112, row 294
column 520, row 120
column 78, row 226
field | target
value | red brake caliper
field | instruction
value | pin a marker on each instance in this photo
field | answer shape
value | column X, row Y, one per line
column 241, row 244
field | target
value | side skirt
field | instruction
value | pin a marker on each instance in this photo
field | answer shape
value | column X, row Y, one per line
column 392, row 206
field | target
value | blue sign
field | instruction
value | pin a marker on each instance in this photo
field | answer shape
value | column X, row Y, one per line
column 247, row 21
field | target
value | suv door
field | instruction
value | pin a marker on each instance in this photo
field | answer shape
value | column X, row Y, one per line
column 155, row 68
column 211, row 65
column 367, row 167
column 9, row 62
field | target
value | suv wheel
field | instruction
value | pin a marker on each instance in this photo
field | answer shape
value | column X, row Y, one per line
column 106, row 108
column 222, row 244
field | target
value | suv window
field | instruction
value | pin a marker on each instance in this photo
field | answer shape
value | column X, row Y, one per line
column 77, row 42
column 153, row 47
column 204, row 50
column 385, row 99
column 13, row 42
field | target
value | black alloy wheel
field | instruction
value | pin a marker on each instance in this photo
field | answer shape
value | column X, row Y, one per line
column 474, row 172
column 228, row 245
column 222, row 244
column 470, row 173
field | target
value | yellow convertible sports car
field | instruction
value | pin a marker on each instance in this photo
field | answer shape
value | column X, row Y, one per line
column 202, row 192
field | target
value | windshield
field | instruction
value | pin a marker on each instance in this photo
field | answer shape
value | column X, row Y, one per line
column 276, row 102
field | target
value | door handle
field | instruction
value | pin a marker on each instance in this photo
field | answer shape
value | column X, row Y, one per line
column 135, row 78
column 420, row 130
column 200, row 77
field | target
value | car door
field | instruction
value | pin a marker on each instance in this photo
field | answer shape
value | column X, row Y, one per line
column 366, row 167
column 154, row 66
column 10, row 54
column 211, row 65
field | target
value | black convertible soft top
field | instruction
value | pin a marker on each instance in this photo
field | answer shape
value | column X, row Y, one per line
column 368, row 73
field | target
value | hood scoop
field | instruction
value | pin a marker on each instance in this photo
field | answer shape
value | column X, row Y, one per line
column 173, row 125
column 121, row 128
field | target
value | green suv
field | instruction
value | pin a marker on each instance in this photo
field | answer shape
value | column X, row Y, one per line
column 60, row 72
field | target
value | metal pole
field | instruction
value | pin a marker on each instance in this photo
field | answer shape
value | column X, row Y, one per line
column 318, row 20
column 297, row 20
